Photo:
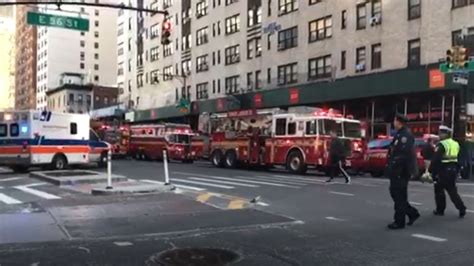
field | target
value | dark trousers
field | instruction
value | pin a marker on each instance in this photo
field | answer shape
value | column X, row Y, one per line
column 399, row 194
column 447, row 181
column 336, row 168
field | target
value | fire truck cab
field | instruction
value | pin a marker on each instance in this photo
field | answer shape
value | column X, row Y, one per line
column 116, row 135
column 297, row 139
column 149, row 141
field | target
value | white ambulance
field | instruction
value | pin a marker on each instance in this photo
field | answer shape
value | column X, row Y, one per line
column 54, row 140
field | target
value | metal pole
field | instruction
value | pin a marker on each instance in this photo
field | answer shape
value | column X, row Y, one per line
column 442, row 109
column 344, row 110
column 165, row 165
column 373, row 120
column 406, row 107
column 109, row 169
column 429, row 117
column 453, row 106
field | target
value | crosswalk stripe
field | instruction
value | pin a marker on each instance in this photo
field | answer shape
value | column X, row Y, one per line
column 201, row 183
column 178, row 186
column 271, row 179
column 10, row 179
column 341, row 193
column 467, row 195
column 223, row 182
column 8, row 200
column 36, row 192
column 312, row 180
column 255, row 182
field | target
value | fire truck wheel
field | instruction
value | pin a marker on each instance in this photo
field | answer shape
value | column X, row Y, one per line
column 295, row 163
column 230, row 159
column 217, row 158
column 59, row 162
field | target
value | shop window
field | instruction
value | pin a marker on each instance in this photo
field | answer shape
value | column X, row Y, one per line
column 280, row 127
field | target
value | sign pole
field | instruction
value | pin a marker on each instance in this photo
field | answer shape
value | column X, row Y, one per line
column 109, row 169
column 165, row 165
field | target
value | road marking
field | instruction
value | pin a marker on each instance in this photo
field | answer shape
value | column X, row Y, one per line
column 36, row 192
column 223, row 182
column 470, row 211
column 467, row 195
column 334, row 219
column 151, row 181
column 287, row 181
column 312, row 180
column 256, row 182
column 415, row 203
column 465, row 184
column 123, row 244
column 178, row 186
column 236, row 204
column 204, row 197
column 262, row 204
column 8, row 200
column 341, row 193
column 427, row 237
column 202, row 183
column 35, row 185
column 11, row 179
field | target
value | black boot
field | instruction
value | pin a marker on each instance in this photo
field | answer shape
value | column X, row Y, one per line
column 462, row 213
column 395, row 226
column 412, row 219
column 438, row 213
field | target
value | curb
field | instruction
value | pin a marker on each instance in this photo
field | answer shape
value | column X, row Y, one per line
column 130, row 191
column 74, row 180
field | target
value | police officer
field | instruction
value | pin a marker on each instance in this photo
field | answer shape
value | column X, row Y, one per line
column 401, row 166
column 444, row 169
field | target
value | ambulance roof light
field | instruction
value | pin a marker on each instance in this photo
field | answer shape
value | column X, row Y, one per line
column 7, row 117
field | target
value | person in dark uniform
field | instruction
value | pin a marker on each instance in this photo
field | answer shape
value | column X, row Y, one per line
column 401, row 167
column 445, row 169
column 337, row 156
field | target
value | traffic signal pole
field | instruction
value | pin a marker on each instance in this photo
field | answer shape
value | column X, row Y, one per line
column 61, row 3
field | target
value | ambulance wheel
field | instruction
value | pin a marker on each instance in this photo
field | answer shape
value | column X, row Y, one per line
column 59, row 162
column 217, row 158
column 19, row 169
column 295, row 163
column 230, row 159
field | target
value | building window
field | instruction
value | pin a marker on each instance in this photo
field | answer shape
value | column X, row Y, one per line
column 254, row 45
column 154, row 77
column 96, row 67
column 120, row 50
column 154, row 53
column 186, row 67
column 377, row 9
column 202, row 36
column 376, row 56
column 83, row 56
column 167, row 49
column 167, row 3
column 96, row 23
column 232, row 24
column 201, row 9
column 287, row 6
column 96, row 34
column 120, row 69
column 232, row 55
column 96, row 56
column 312, row 2
column 250, row 81
column 229, row 2
column 414, row 9
column 96, row 78
column 360, row 59
column 232, row 84
column 269, row 75
column 361, row 16
column 83, row 43
column 186, row 42
column 287, row 74
column 461, row 3
column 320, row 29
column 81, row 65
column 254, row 15
column 202, row 90
column 319, row 68
column 168, row 73
column 288, row 38
column 139, row 80
column 154, row 31
column 96, row 45
column 414, row 50
column 343, row 60
column 343, row 19
column 202, row 63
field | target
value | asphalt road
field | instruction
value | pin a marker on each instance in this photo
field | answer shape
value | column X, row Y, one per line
column 298, row 220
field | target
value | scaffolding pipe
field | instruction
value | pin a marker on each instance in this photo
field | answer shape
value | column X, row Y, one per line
column 443, row 102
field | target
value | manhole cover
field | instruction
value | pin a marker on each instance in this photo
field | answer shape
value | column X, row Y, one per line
column 196, row 257
column 70, row 173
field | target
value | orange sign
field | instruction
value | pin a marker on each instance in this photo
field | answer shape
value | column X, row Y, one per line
column 436, row 79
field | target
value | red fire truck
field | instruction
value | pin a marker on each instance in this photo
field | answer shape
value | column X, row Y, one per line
column 147, row 142
column 297, row 139
column 115, row 134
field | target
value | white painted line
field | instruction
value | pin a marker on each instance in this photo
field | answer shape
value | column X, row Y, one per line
column 11, row 179
column 465, row 184
column 470, row 211
column 427, row 237
column 334, row 219
column 123, row 244
column 292, row 181
column 467, row 195
column 36, row 192
column 178, row 186
column 35, row 185
column 341, row 193
column 152, row 181
column 223, row 182
column 262, row 204
column 311, row 180
column 256, row 182
column 415, row 203
column 8, row 200
column 201, row 183
column 273, row 179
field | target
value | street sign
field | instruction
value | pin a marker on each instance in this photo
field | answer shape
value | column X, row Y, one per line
column 72, row 23
column 461, row 78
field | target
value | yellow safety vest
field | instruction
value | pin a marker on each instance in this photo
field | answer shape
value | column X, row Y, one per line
column 451, row 148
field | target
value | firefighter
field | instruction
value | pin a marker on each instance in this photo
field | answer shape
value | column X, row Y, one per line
column 401, row 167
column 337, row 156
column 445, row 169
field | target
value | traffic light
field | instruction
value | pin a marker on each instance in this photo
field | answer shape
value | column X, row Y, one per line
column 166, row 32
column 450, row 58
column 462, row 58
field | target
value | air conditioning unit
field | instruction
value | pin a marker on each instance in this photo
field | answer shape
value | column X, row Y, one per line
column 360, row 67
column 156, row 80
column 186, row 20
column 236, row 58
column 375, row 20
